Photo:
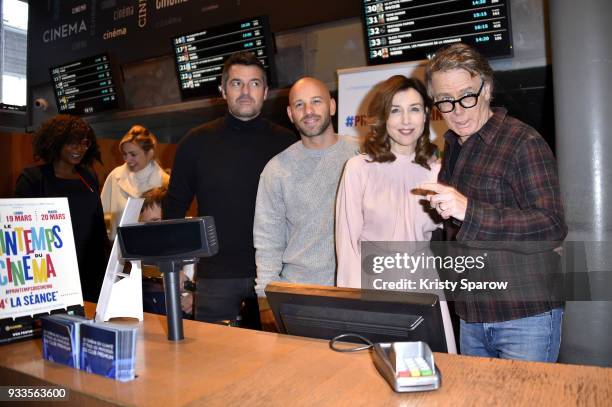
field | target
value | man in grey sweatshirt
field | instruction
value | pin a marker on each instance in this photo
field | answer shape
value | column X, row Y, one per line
column 294, row 213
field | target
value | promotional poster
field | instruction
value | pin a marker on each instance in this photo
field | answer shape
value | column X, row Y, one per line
column 355, row 91
column 38, row 265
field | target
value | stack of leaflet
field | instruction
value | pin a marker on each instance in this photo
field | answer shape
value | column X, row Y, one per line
column 108, row 350
column 28, row 327
column 60, row 341
column 101, row 348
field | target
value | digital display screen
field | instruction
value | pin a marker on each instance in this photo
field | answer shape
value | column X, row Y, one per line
column 199, row 56
column 410, row 30
column 170, row 239
column 162, row 239
column 86, row 86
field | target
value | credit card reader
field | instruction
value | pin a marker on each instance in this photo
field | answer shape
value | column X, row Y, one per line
column 407, row 366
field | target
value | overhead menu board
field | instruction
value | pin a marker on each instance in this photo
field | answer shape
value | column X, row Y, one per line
column 409, row 30
column 200, row 56
column 86, row 86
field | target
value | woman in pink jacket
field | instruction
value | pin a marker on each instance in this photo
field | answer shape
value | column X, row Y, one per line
column 377, row 201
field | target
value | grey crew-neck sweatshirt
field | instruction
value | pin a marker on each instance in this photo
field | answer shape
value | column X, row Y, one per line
column 294, row 214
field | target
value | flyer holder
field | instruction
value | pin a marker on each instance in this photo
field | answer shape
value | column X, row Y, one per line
column 121, row 294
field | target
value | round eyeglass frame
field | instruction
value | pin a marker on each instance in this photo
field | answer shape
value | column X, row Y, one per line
column 461, row 101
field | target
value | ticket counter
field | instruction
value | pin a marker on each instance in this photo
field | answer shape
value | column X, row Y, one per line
column 218, row 365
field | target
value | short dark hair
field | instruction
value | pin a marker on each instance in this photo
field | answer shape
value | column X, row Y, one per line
column 246, row 58
column 377, row 144
column 60, row 130
column 459, row 56
column 154, row 197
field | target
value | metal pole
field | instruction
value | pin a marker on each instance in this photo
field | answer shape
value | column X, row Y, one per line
column 174, row 313
column 581, row 40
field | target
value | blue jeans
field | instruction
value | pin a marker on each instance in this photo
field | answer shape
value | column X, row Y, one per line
column 535, row 338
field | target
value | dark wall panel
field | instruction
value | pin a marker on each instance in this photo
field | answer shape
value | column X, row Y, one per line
column 64, row 30
column 528, row 96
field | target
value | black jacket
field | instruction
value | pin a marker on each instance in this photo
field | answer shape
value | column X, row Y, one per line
column 86, row 215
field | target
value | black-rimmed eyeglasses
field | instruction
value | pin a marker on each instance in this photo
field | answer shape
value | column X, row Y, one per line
column 467, row 102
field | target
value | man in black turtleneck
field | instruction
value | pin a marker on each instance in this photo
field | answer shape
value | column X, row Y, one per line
column 219, row 163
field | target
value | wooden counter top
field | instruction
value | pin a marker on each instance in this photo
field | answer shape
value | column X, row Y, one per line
column 218, row 365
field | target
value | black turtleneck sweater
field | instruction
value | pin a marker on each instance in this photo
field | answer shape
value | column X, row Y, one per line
column 220, row 162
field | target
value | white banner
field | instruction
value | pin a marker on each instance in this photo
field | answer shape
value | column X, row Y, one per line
column 38, row 264
column 355, row 87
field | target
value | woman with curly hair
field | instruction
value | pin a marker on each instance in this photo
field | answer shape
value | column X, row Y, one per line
column 68, row 147
column 138, row 174
column 376, row 201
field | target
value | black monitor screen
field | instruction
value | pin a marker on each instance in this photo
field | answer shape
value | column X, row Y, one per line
column 89, row 85
column 381, row 316
column 410, row 30
column 199, row 56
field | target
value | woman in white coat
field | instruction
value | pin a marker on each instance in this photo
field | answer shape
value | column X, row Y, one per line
column 138, row 174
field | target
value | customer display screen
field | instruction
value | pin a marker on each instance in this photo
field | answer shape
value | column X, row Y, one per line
column 199, row 56
column 410, row 30
column 86, row 86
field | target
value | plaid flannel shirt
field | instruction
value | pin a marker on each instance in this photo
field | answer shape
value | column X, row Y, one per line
column 509, row 176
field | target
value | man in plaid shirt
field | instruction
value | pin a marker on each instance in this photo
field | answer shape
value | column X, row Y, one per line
column 499, row 189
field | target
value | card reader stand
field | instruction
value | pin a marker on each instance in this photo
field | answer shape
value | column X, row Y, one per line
column 171, row 272
column 169, row 245
column 407, row 366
